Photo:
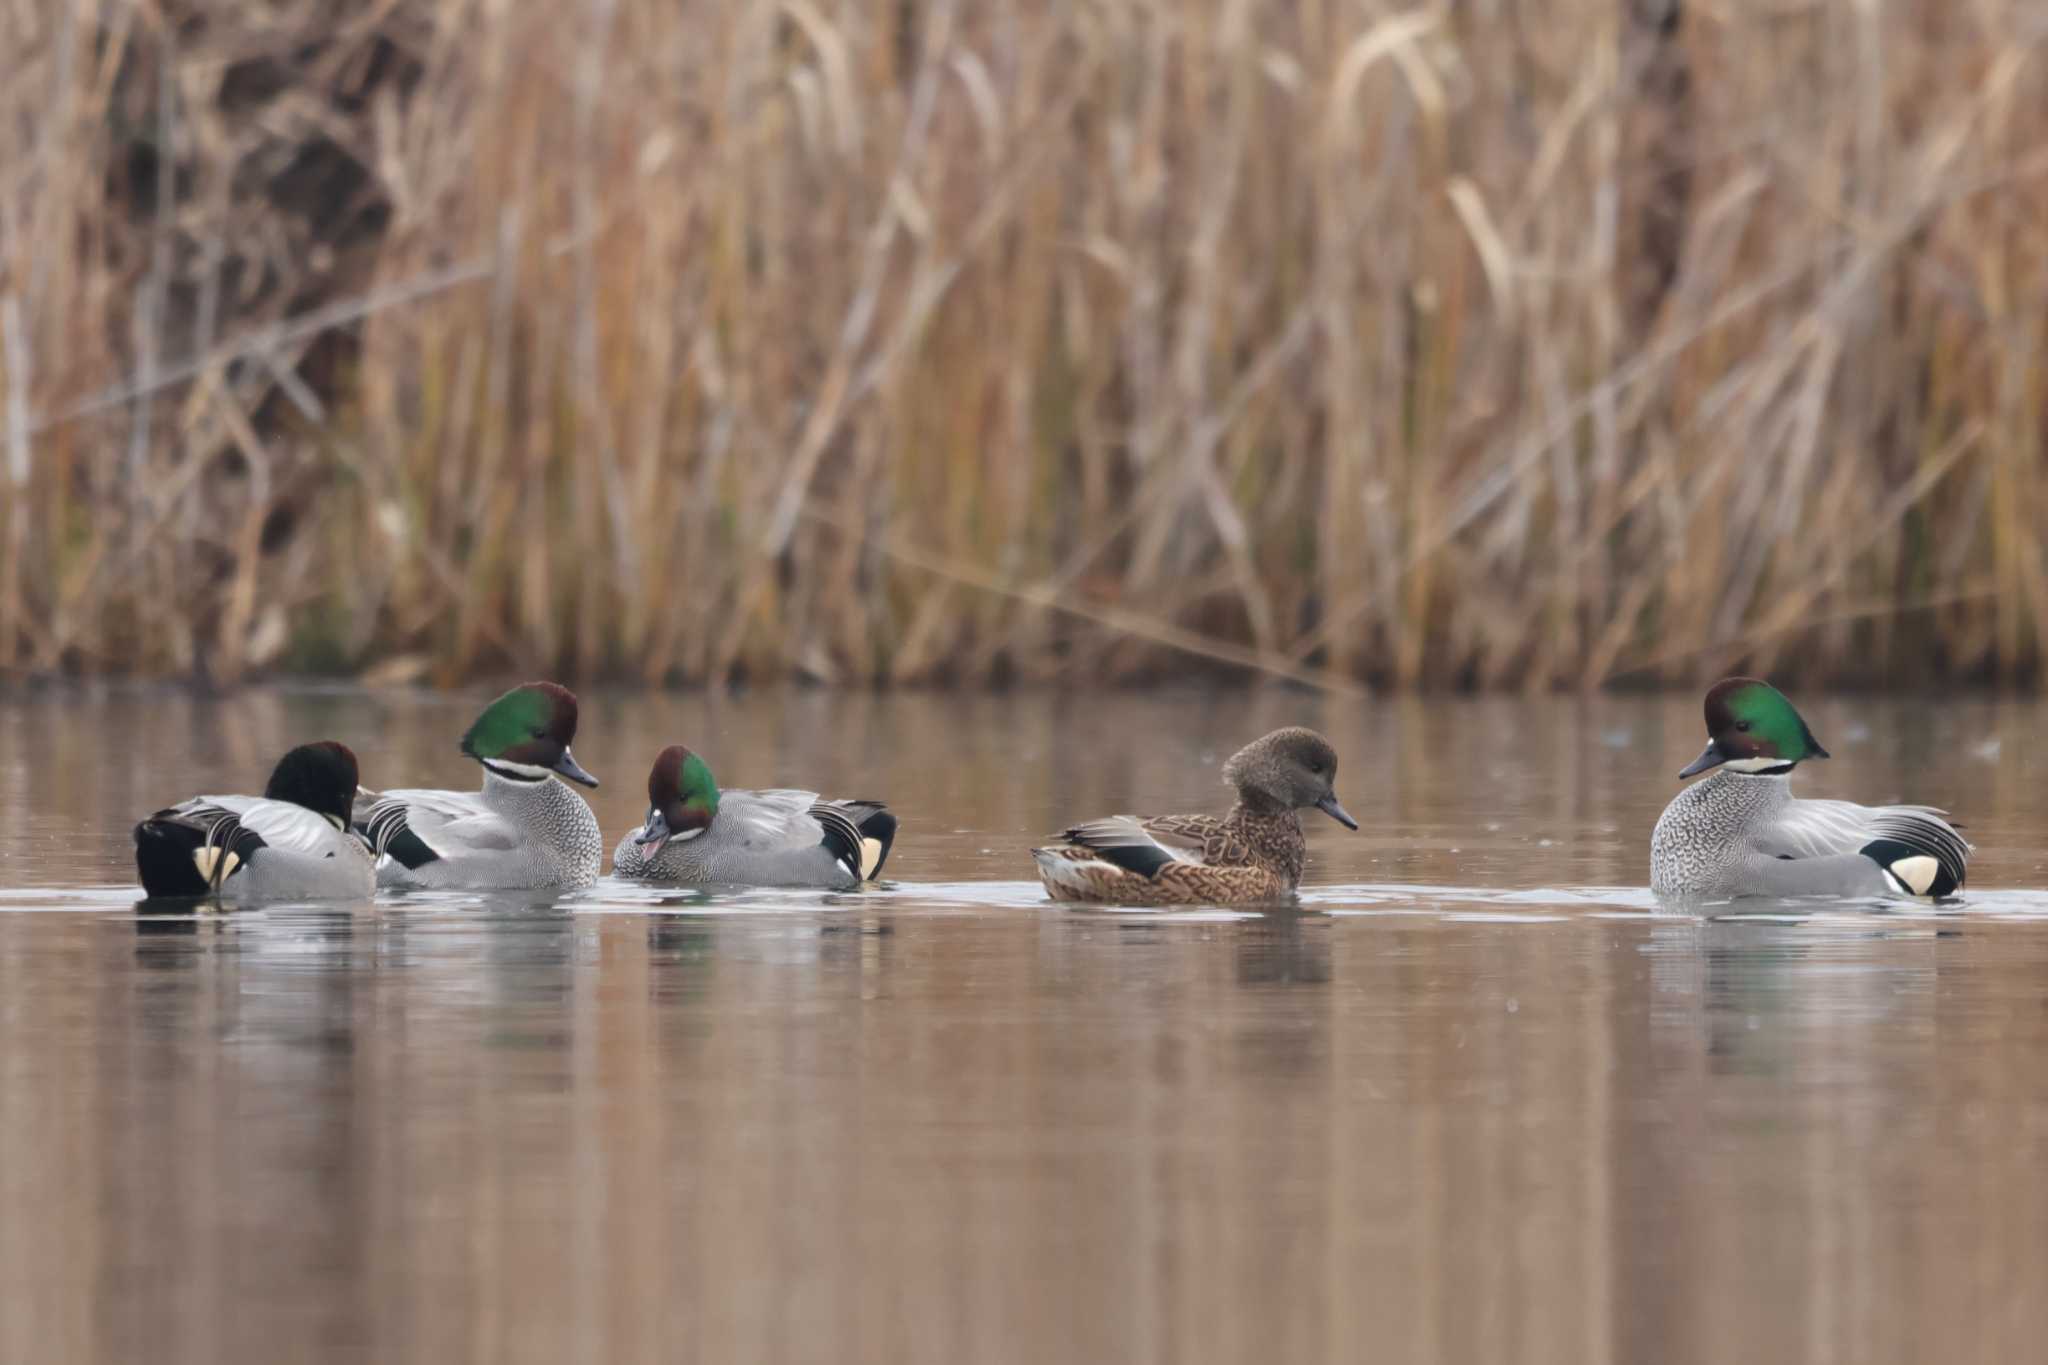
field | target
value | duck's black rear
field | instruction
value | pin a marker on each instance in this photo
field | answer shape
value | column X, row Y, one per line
column 172, row 848
column 163, row 858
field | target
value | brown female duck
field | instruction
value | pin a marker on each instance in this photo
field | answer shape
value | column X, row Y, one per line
column 1254, row 853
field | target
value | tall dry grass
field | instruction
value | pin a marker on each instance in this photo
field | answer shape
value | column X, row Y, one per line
column 1511, row 344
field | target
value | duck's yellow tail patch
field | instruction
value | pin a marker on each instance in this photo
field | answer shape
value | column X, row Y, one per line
column 215, row 865
column 1916, row 874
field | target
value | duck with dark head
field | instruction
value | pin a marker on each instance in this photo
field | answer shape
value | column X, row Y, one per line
column 291, row 843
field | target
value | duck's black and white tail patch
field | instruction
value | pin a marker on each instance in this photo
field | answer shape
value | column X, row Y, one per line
column 1920, row 853
column 192, row 851
column 859, row 835
column 877, row 836
column 384, row 829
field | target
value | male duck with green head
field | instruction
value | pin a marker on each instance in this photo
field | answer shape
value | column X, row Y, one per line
column 1741, row 832
column 523, row 831
column 776, row 837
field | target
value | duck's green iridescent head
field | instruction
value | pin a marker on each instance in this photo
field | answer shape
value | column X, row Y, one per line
column 525, row 734
column 682, row 798
column 1752, row 728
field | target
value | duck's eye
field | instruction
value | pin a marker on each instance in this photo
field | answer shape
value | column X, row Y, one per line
column 1742, row 725
column 539, row 733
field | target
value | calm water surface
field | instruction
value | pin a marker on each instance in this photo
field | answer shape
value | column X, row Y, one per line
column 1476, row 1100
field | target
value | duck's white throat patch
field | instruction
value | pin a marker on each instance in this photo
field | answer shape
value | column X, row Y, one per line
column 517, row 772
column 1757, row 765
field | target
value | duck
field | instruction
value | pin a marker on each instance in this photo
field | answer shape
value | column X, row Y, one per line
column 524, row 830
column 1254, row 853
column 1741, row 832
column 778, row 837
column 291, row 843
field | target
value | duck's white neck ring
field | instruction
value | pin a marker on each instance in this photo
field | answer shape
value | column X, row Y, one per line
column 516, row 772
column 1760, row 767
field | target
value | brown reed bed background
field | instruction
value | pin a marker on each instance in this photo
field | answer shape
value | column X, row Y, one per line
column 1487, row 343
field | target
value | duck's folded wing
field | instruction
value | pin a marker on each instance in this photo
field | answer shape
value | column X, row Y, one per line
column 418, row 827
column 1915, row 845
column 776, row 819
column 1146, row 846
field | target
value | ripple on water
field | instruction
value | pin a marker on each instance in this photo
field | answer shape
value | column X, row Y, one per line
column 1460, row 904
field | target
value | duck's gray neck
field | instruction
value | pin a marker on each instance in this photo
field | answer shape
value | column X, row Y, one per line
column 1742, row 796
column 1272, row 833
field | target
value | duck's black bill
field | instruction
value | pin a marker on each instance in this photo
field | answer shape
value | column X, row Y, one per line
column 1711, row 757
column 1328, row 806
column 568, row 767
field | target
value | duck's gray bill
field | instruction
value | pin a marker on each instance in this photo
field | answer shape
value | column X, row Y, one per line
column 568, row 767
column 1711, row 757
column 653, row 835
column 1328, row 806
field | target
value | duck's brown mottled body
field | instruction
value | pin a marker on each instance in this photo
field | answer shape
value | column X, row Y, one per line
column 1244, row 856
column 1254, row 853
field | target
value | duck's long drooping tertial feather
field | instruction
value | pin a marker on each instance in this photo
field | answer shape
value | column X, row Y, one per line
column 1915, row 845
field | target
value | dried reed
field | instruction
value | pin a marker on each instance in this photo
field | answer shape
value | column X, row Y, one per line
column 1483, row 344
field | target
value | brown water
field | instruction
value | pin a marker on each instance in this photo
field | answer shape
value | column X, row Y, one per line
column 1475, row 1101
